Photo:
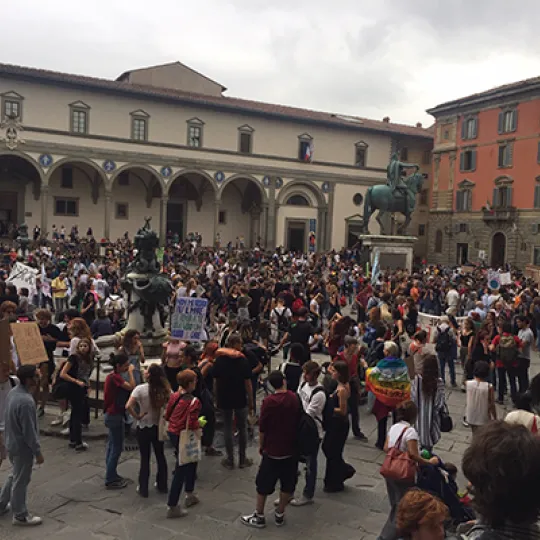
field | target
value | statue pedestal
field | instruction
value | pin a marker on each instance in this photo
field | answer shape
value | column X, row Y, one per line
column 394, row 251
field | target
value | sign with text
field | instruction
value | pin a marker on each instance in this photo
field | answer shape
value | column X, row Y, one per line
column 29, row 343
column 23, row 277
column 5, row 343
column 188, row 319
column 430, row 322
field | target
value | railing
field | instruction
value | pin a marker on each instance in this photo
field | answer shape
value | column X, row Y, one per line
column 507, row 213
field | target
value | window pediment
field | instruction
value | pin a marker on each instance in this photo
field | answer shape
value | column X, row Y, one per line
column 466, row 184
column 504, row 181
column 361, row 144
column 195, row 121
column 305, row 137
column 12, row 95
column 140, row 113
column 246, row 128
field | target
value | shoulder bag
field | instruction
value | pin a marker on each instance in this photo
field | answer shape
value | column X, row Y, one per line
column 398, row 465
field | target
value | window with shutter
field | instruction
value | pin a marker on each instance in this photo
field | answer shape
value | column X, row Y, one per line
column 438, row 241
column 538, row 153
column 495, row 201
column 459, row 201
column 537, row 196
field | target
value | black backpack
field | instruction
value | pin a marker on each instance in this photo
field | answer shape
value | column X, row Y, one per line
column 307, row 434
column 444, row 341
column 328, row 410
column 282, row 320
column 375, row 353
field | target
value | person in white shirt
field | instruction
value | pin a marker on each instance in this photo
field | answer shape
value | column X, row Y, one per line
column 403, row 433
column 452, row 301
column 150, row 398
column 209, row 270
column 313, row 400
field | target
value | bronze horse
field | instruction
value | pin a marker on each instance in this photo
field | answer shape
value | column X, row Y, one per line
column 402, row 200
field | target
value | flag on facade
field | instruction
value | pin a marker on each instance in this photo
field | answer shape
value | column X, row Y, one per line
column 308, row 156
column 488, row 207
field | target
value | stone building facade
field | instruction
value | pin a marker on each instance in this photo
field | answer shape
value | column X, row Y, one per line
column 485, row 203
column 166, row 142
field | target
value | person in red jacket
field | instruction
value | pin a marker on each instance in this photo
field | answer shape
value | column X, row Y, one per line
column 182, row 413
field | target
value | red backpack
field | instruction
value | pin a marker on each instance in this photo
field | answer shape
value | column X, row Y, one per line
column 297, row 305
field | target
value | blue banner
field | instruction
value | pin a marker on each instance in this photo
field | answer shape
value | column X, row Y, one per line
column 189, row 318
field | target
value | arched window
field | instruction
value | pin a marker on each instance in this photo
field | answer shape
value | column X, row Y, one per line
column 297, row 200
column 438, row 241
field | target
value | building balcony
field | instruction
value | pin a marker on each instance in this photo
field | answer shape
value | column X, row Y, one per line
column 499, row 214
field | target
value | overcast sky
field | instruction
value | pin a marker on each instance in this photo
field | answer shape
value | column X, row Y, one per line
column 370, row 58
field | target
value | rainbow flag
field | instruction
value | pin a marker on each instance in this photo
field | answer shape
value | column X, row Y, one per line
column 389, row 381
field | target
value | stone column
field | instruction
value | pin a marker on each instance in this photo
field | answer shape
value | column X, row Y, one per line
column 319, row 231
column 264, row 225
column 255, row 226
column 217, row 206
column 44, row 209
column 330, row 217
column 163, row 221
column 107, row 228
column 271, row 221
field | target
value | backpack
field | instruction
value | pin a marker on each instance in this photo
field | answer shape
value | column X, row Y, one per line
column 444, row 341
column 297, row 305
column 375, row 353
column 507, row 351
column 328, row 410
column 307, row 433
column 282, row 320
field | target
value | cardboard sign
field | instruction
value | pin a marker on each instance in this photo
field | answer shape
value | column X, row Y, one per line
column 23, row 276
column 29, row 344
column 494, row 280
column 189, row 318
column 5, row 343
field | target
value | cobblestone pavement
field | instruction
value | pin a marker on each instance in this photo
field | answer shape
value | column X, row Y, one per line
column 67, row 491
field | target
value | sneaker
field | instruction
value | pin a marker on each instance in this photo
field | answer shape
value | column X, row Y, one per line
column 121, row 483
column 176, row 512
column 59, row 421
column 245, row 463
column 5, row 510
column 191, row 500
column 213, row 452
column 81, row 447
column 27, row 521
column 65, row 418
column 141, row 493
column 65, row 431
column 361, row 437
column 72, row 444
column 465, row 423
column 302, row 501
column 254, row 520
column 41, row 412
column 279, row 519
column 228, row 464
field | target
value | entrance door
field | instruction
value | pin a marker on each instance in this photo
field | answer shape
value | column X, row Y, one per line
column 296, row 236
column 175, row 219
column 8, row 210
column 354, row 229
column 462, row 253
column 498, row 250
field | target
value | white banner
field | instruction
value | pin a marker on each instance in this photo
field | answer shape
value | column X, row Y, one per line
column 23, row 276
column 429, row 323
column 188, row 319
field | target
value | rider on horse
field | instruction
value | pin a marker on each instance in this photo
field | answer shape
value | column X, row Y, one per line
column 395, row 172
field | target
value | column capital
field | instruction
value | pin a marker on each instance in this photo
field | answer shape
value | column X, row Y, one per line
column 164, row 198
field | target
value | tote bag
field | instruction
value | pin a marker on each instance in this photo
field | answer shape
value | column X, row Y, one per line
column 189, row 444
column 398, row 465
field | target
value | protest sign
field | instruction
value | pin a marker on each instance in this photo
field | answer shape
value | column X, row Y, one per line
column 188, row 319
column 430, row 322
column 29, row 344
column 505, row 278
column 494, row 280
column 5, row 343
column 23, row 276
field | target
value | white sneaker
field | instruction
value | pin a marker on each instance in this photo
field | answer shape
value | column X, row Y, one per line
column 6, row 510
column 65, row 418
column 59, row 421
column 65, row 431
column 176, row 512
column 302, row 501
column 28, row 521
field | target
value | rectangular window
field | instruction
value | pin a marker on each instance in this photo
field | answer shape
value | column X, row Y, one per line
column 462, row 228
column 467, row 160
column 194, row 136
column 537, row 196
column 222, row 218
column 508, row 121
column 426, row 157
column 79, row 121
column 245, row 143
column 304, row 151
column 138, row 129
column 421, row 230
column 360, row 156
column 538, row 153
column 66, row 207
column 424, row 196
column 122, row 211
column 503, row 197
column 404, row 155
column 523, row 246
column 536, row 258
column 67, row 178
column 505, row 155
column 12, row 109
column 469, row 128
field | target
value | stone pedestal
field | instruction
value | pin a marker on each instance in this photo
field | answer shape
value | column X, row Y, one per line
column 394, row 251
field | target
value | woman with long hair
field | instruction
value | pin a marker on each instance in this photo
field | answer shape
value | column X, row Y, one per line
column 171, row 360
column 146, row 405
column 133, row 349
column 427, row 393
column 115, row 396
column 337, row 471
column 76, row 372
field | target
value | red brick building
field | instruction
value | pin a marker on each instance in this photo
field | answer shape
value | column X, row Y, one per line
column 486, row 178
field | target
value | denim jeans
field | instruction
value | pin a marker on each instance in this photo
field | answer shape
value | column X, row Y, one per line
column 115, row 445
column 147, row 438
column 512, row 377
column 184, row 475
column 447, row 358
column 15, row 487
column 311, row 474
column 241, row 426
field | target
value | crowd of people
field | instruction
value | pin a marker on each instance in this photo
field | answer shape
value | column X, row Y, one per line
column 382, row 342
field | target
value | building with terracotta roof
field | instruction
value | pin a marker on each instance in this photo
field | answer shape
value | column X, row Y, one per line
column 165, row 142
column 485, row 202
